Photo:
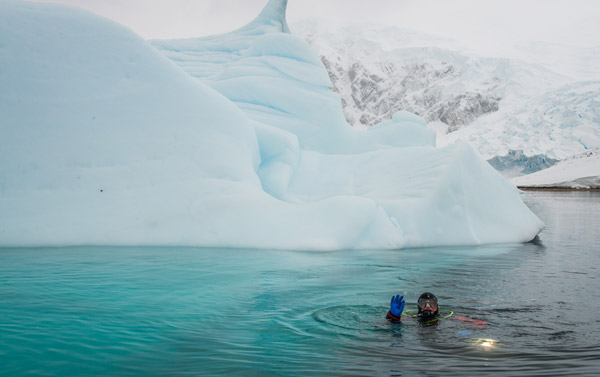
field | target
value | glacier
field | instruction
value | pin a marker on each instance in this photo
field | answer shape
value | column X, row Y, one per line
column 517, row 163
column 233, row 140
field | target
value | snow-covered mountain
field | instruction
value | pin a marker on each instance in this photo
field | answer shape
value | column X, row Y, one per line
column 518, row 110
column 375, row 79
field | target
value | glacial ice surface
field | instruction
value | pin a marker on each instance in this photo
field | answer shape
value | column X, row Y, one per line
column 241, row 143
column 516, row 163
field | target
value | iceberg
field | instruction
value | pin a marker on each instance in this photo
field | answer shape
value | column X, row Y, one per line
column 233, row 140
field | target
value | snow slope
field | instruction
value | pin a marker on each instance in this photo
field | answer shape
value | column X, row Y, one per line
column 580, row 172
column 106, row 141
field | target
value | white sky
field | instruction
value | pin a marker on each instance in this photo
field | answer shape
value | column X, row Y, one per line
column 500, row 23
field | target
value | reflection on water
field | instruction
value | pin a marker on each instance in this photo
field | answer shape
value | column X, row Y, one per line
column 166, row 311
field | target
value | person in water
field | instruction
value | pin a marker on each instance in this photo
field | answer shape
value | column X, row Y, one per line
column 428, row 308
column 428, row 311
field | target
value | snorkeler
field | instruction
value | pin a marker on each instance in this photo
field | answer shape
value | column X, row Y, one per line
column 427, row 307
column 428, row 311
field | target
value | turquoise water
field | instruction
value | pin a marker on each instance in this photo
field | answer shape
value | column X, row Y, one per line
column 97, row 311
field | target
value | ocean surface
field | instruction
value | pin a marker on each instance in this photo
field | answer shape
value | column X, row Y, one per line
column 172, row 311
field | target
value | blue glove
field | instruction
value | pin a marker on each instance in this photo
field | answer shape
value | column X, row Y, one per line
column 397, row 305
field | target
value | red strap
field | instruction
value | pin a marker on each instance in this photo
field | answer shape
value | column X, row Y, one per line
column 392, row 317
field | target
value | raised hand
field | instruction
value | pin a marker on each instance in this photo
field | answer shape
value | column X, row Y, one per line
column 397, row 305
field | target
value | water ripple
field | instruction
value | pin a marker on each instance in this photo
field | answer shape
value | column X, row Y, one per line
column 96, row 311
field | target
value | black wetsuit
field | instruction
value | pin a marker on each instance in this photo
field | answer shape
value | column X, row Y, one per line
column 395, row 319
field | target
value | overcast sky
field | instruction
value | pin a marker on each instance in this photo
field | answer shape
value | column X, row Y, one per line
column 472, row 22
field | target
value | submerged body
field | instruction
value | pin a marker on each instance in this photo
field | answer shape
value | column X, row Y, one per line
column 428, row 311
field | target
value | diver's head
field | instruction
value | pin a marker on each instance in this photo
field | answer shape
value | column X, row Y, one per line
column 428, row 305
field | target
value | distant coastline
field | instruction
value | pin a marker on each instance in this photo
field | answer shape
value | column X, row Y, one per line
column 555, row 188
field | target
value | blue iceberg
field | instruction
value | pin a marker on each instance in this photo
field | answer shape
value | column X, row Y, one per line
column 233, row 140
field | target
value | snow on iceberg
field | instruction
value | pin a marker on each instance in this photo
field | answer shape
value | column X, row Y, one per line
column 106, row 141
